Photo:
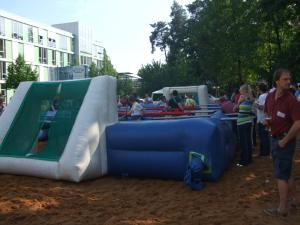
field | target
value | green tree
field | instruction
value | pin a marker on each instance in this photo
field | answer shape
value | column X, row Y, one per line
column 224, row 43
column 18, row 72
column 75, row 62
column 93, row 70
column 153, row 76
column 124, row 86
column 159, row 37
column 107, row 67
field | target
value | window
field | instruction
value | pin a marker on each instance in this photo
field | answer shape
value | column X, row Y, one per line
column 2, row 70
column 17, row 30
column 85, row 60
column 2, row 26
column 62, row 59
column 2, row 48
column 53, row 57
column 41, row 40
column 99, row 63
column 51, row 42
column 30, row 34
column 63, row 42
column 43, row 55
column 69, row 59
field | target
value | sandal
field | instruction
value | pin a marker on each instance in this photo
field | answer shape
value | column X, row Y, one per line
column 275, row 212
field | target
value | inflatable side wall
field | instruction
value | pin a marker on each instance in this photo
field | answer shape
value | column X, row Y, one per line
column 85, row 154
column 160, row 149
column 11, row 110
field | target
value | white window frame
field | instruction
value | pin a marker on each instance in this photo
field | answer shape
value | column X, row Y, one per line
column 2, row 51
column 17, row 30
column 30, row 34
column 2, row 26
column 53, row 57
column 3, row 72
column 43, row 55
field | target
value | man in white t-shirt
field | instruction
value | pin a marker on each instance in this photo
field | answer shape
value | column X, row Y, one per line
column 136, row 111
column 262, row 129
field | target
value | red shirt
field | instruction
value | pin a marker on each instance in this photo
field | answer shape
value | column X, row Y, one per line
column 284, row 111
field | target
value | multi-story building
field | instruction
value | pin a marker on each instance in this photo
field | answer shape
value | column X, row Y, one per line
column 86, row 50
column 45, row 47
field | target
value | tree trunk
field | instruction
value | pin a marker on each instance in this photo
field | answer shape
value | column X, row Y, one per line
column 277, row 32
column 240, row 71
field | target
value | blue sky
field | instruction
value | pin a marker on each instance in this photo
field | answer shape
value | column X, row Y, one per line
column 122, row 26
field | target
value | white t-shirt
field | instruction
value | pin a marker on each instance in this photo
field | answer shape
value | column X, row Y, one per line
column 136, row 109
column 260, row 112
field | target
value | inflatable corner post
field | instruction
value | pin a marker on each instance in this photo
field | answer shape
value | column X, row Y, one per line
column 57, row 129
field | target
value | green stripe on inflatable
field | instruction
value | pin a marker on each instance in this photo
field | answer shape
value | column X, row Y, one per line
column 35, row 114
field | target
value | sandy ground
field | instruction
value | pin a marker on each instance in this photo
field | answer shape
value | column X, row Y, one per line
column 238, row 198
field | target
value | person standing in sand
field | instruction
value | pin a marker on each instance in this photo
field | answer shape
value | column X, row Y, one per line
column 244, row 124
column 284, row 112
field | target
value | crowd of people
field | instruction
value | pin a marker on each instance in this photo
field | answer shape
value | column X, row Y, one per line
column 273, row 112
column 135, row 106
column 276, row 112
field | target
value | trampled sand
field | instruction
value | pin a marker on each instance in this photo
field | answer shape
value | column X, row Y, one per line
column 238, row 199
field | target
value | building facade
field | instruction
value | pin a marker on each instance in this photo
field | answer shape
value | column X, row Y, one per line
column 86, row 49
column 44, row 47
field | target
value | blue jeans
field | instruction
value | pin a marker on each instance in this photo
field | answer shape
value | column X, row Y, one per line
column 245, row 143
column 264, row 140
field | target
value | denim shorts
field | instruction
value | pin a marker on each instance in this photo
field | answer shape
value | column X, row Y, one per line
column 283, row 159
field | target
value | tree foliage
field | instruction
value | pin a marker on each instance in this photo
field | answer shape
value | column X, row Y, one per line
column 107, row 67
column 93, row 70
column 18, row 72
column 224, row 43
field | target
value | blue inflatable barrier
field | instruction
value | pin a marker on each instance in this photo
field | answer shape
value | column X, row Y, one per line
column 160, row 149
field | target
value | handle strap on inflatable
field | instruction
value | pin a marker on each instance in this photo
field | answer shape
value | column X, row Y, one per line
column 202, row 157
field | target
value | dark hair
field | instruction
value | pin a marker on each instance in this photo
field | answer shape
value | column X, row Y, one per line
column 278, row 73
column 263, row 87
column 132, row 98
column 175, row 93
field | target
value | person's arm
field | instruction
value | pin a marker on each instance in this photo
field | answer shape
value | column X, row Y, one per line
column 180, row 106
column 132, row 108
column 291, row 134
column 261, row 102
column 266, row 111
column 53, row 108
column 236, row 107
column 293, row 131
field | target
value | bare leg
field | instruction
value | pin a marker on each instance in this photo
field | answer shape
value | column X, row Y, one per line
column 283, row 188
column 292, row 192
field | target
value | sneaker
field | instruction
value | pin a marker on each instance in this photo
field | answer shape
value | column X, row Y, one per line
column 294, row 205
column 239, row 165
column 275, row 212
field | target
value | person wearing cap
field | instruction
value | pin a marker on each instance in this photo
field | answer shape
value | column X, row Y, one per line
column 284, row 112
